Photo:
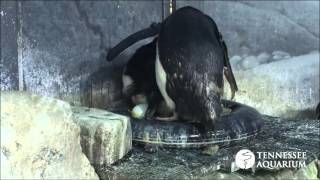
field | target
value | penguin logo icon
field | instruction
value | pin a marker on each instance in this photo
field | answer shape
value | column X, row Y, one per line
column 245, row 159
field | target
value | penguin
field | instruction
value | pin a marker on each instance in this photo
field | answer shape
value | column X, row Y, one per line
column 138, row 77
column 139, row 82
column 189, row 63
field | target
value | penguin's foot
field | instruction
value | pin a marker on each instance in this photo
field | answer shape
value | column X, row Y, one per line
column 150, row 113
column 174, row 117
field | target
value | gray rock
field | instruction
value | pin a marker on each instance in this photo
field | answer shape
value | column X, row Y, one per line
column 277, row 57
column 235, row 59
column 266, row 26
column 263, row 58
column 250, row 62
column 314, row 52
column 235, row 62
column 39, row 139
column 105, row 137
column 312, row 171
column 304, row 13
column 287, row 88
column 280, row 55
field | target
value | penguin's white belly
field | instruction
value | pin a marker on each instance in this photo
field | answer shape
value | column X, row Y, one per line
column 161, row 78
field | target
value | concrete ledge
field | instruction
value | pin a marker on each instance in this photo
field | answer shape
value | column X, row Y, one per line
column 105, row 137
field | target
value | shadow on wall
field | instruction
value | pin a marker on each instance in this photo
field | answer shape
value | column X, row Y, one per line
column 102, row 89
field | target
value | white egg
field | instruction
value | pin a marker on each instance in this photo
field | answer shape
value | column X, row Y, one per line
column 139, row 111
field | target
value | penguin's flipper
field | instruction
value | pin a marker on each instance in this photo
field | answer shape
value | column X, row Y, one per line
column 124, row 44
column 227, row 67
column 228, row 71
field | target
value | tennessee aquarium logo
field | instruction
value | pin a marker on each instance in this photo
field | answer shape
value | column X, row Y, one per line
column 246, row 159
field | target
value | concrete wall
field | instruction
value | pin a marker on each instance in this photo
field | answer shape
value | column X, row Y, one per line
column 57, row 48
column 63, row 46
column 9, row 46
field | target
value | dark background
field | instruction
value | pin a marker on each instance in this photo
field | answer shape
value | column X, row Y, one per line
column 58, row 48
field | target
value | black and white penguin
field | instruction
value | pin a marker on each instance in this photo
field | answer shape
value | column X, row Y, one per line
column 138, row 77
column 139, row 81
column 190, row 60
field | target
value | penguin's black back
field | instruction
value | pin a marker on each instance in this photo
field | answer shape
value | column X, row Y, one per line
column 192, row 57
column 189, row 35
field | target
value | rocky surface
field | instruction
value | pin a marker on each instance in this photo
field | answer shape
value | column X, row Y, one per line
column 39, row 139
column 286, row 87
column 251, row 27
column 105, row 137
column 278, row 135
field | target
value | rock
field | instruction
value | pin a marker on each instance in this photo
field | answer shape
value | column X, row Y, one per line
column 235, row 59
column 235, row 62
column 312, row 171
column 263, row 58
column 280, row 53
column 266, row 26
column 105, row 137
column 287, row 88
column 314, row 52
column 39, row 139
column 276, row 55
column 250, row 62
